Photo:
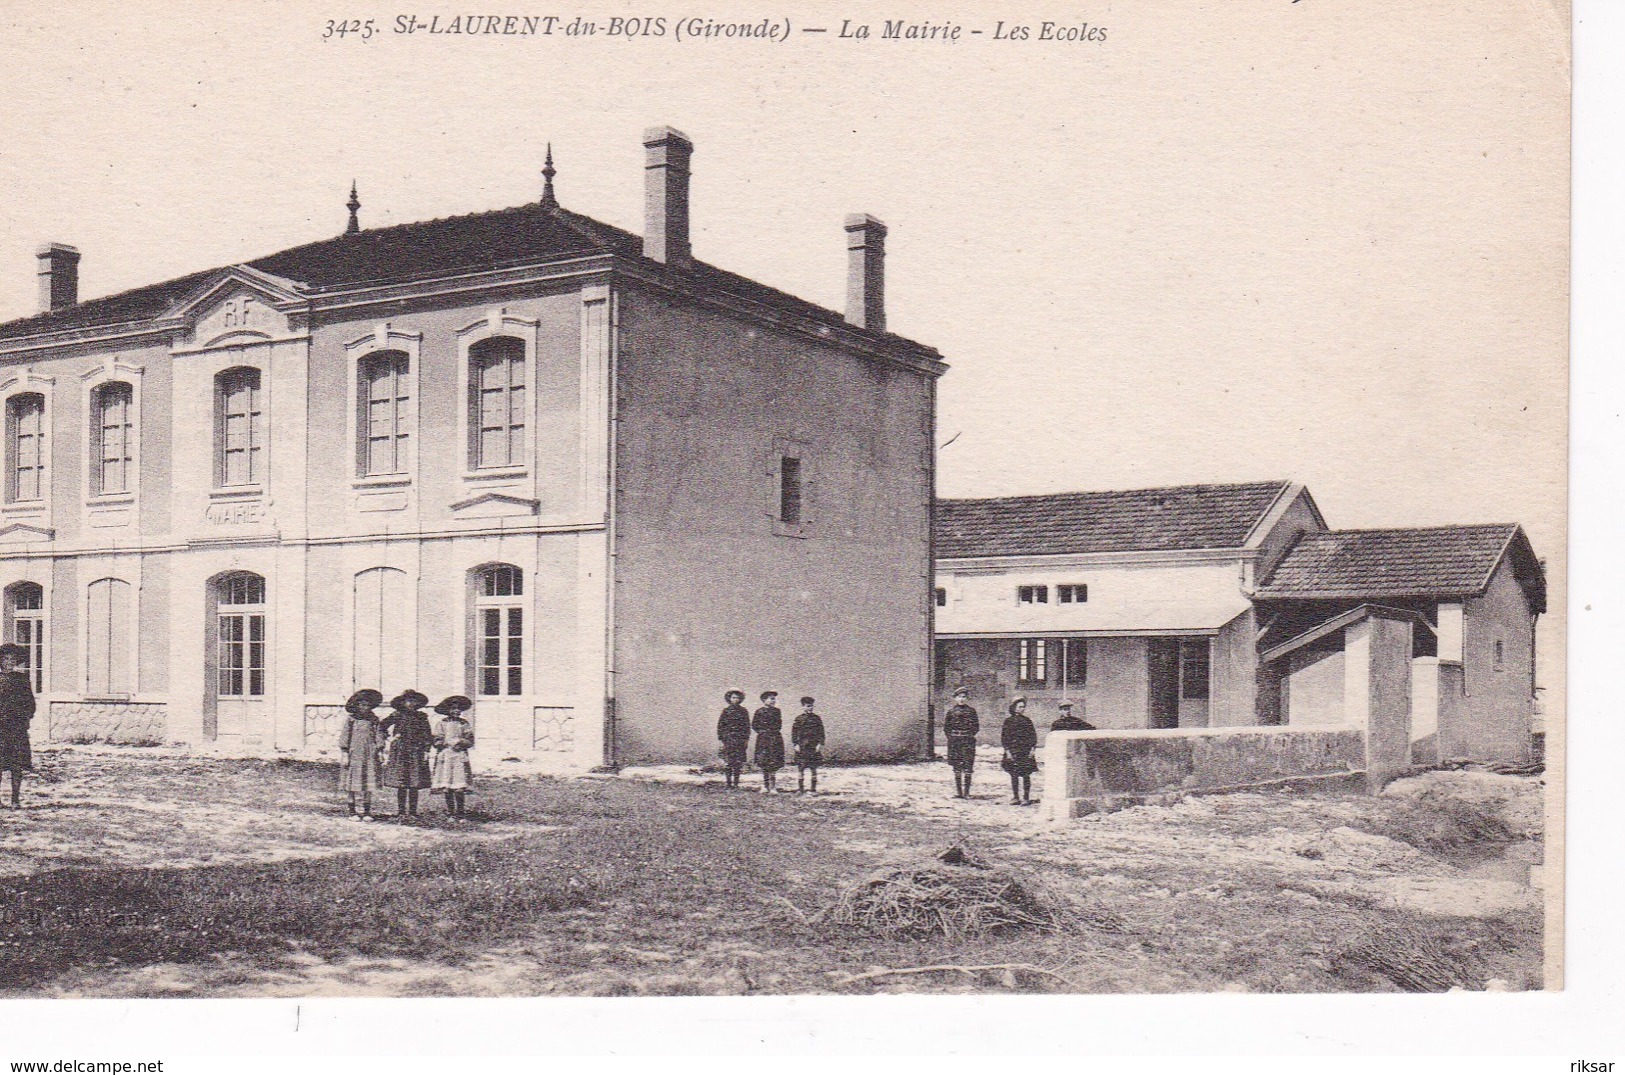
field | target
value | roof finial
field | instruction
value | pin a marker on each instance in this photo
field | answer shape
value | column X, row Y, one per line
column 355, row 207
column 549, row 199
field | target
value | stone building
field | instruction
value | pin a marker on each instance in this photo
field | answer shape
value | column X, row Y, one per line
column 1232, row 605
column 576, row 474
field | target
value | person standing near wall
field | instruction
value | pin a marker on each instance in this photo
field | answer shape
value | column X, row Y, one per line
column 358, row 746
column 1019, row 739
column 16, row 713
column 768, row 723
column 1069, row 722
column 960, row 727
column 807, row 735
column 733, row 731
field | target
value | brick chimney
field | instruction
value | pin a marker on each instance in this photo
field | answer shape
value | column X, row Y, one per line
column 58, row 277
column 665, row 195
column 865, row 272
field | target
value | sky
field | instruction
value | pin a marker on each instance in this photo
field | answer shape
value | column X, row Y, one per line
column 1256, row 239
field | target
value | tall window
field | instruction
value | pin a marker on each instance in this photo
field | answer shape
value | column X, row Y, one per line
column 496, row 405
column 1032, row 662
column 239, row 436
column 25, row 444
column 1194, row 666
column 789, row 489
column 384, row 424
column 240, row 636
column 25, row 625
column 107, row 639
column 1074, row 653
column 112, row 433
column 499, row 631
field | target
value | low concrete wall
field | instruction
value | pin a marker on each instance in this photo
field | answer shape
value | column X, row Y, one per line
column 1089, row 771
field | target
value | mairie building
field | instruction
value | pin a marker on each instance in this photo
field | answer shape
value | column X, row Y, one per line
column 571, row 472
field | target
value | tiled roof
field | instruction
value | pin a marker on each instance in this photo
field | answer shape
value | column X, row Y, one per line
column 502, row 238
column 1441, row 560
column 1134, row 520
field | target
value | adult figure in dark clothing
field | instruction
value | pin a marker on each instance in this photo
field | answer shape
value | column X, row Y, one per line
column 768, row 724
column 733, row 731
column 1019, row 739
column 960, row 727
column 16, row 713
column 1067, row 722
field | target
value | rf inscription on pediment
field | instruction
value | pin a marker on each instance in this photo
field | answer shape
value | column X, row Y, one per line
column 242, row 315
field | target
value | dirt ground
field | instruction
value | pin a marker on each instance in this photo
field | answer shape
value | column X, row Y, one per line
column 133, row 873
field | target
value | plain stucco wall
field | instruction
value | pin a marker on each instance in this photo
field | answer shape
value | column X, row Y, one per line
column 1495, row 720
column 710, row 593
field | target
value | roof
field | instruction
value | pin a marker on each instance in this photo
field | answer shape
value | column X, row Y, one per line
column 1133, row 520
column 502, row 238
column 1451, row 561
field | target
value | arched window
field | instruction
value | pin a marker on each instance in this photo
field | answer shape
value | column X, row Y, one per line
column 25, row 625
column 107, row 639
column 496, row 404
column 112, row 435
column 238, row 436
column 383, row 424
column 499, row 630
column 240, row 635
column 25, row 447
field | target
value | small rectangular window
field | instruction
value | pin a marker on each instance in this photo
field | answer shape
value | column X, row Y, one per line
column 789, row 489
column 941, row 597
column 1032, row 595
column 1071, row 593
column 1032, row 662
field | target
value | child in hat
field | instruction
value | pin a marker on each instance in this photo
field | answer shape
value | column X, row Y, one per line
column 407, row 741
column 768, row 724
column 358, row 746
column 453, row 739
column 1019, row 739
column 16, row 713
column 733, row 731
column 807, row 733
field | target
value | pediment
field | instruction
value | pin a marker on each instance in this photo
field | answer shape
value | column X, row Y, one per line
column 240, row 305
column 25, row 534
column 494, row 505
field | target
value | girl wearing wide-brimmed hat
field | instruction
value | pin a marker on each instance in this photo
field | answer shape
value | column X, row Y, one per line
column 453, row 739
column 16, row 713
column 407, row 741
column 733, row 732
column 358, row 745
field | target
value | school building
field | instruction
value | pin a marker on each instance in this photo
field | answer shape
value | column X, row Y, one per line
column 1232, row 605
column 572, row 472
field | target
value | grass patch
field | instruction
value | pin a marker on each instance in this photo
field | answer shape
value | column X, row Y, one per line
column 1444, row 825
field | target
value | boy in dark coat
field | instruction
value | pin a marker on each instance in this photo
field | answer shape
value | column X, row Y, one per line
column 807, row 733
column 733, row 730
column 960, row 726
column 768, row 724
column 1066, row 722
column 16, row 713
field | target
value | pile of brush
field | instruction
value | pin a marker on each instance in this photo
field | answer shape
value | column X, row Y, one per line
column 957, row 896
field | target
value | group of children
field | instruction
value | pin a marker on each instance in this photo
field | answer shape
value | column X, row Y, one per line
column 734, row 728
column 1018, row 737
column 402, row 751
